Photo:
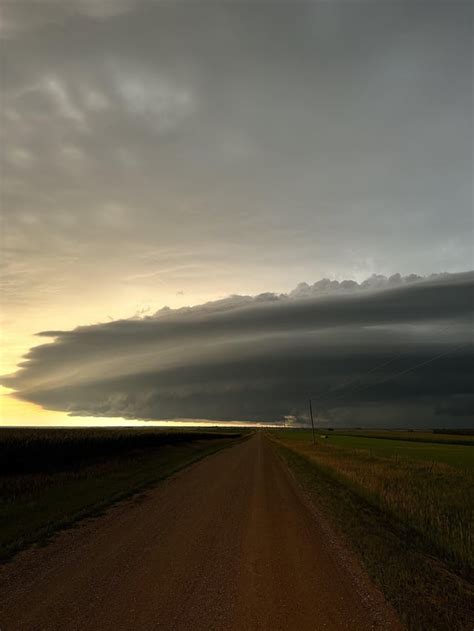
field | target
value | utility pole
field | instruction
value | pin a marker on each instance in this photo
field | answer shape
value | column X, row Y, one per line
column 312, row 422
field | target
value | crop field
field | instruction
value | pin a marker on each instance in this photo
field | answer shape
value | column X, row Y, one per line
column 459, row 454
column 421, row 493
column 456, row 437
column 50, row 478
column 453, row 437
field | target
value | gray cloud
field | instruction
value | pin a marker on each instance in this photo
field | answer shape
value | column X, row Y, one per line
column 336, row 142
column 18, row 17
column 260, row 358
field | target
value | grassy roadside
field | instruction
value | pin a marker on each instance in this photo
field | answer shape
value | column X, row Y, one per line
column 36, row 503
column 430, row 589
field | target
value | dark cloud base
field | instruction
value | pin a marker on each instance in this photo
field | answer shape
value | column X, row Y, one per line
column 261, row 358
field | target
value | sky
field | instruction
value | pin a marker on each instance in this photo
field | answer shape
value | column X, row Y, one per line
column 172, row 154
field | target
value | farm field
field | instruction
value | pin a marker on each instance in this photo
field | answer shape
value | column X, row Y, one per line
column 458, row 454
column 51, row 478
column 454, row 437
column 405, row 506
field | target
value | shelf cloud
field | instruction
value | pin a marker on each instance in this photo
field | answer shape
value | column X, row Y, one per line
column 261, row 358
column 177, row 152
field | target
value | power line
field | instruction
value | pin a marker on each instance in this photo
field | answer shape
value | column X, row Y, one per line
column 368, row 372
column 423, row 363
column 375, row 368
column 402, row 372
column 312, row 422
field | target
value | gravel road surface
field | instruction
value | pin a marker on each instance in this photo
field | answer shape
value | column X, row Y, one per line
column 226, row 544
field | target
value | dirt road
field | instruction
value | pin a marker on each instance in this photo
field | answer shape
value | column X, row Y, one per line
column 227, row 544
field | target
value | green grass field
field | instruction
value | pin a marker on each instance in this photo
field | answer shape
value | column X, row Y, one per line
column 434, row 436
column 51, row 478
column 406, row 507
column 396, row 446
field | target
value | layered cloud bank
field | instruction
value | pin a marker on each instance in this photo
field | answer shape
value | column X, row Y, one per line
column 392, row 351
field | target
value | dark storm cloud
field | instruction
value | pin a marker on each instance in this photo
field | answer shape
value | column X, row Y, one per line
column 261, row 358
